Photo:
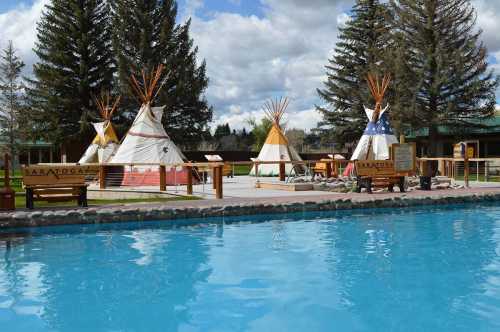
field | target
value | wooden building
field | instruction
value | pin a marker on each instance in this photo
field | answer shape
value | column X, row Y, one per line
column 486, row 140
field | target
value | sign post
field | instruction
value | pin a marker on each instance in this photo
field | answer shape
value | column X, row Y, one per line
column 404, row 156
column 461, row 150
column 7, row 195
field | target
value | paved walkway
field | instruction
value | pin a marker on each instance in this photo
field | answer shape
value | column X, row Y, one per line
column 237, row 187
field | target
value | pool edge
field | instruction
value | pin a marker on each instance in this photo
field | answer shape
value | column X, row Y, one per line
column 172, row 212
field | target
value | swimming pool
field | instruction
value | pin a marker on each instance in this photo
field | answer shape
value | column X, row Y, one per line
column 432, row 269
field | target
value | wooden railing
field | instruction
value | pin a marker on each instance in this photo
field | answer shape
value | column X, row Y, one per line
column 215, row 169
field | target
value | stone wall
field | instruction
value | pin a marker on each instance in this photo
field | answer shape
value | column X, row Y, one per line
column 110, row 214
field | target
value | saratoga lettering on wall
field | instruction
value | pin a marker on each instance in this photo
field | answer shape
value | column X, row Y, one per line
column 38, row 175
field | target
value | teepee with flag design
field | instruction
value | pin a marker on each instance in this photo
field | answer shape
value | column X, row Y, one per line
column 378, row 135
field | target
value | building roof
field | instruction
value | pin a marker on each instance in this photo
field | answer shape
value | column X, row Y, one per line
column 490, row 126
column 37, row 143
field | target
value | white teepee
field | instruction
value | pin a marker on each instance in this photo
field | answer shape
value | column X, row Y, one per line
column 147, row 141
column 106, row 142
column 276, row 147
column 378, row 135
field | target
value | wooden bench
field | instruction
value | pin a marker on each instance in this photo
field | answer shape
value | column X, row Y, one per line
column 56, row 193
column 55, row 184
column 377, row 174
column 321, row 168
column 227, row 170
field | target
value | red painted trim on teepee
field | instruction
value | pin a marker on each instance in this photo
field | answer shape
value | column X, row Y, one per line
column 146, row 135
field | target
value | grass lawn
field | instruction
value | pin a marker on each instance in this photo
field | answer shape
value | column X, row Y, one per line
column 15, row 182
column 21, row 201
column 482, row 178
column 242, row 169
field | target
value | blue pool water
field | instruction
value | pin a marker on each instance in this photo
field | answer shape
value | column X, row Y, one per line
column 376, row 270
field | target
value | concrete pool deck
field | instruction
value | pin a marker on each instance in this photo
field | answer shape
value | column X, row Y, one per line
column 237, row 206
column 237, row 187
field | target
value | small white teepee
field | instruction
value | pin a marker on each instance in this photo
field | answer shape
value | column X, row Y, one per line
column 378, row 135
column 147, row 141
column 106, row 142
column 276, row 147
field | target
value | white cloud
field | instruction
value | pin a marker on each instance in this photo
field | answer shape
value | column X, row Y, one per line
column 191, row 7
column 19, row 25
column 250, row 58
column 488, row 19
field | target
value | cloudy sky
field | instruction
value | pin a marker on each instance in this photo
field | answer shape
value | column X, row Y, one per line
column 255, row 49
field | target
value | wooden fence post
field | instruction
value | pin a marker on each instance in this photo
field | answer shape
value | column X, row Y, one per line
column 486, row 171
column 218, row 181
column 189, row 189
column 163, row 178
column 214, row 177
column 466, row 170
column 257, row 182
column 441, row 167
column 282, row 171
column 219, row 184
column 6, row 161
column 102, row 177
column 328, row 170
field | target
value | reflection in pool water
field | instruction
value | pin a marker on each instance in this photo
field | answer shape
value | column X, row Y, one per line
column 421, row 270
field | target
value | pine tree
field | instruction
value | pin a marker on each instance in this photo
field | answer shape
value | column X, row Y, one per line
column 452, row 83
column 222, row 130
column 360, row 50
column 145, row 34
column 75, row 63
column 11, row 105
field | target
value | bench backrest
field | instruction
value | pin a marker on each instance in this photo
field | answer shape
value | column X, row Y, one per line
column 374, row 168
column 321, row 166
column 56, row 175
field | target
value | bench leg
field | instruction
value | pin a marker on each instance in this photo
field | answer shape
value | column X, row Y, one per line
column 369, row 185
column 391, row 188
column 401, row 184
column 82, row 198
column 364, row 183
column 29, row 198
column 359, row 184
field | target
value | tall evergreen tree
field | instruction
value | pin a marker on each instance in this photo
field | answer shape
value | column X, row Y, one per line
column 11, row 105
column 222, row 130
column 145, row 34
column 75, row 62
column 452, row 83
column 360, row 50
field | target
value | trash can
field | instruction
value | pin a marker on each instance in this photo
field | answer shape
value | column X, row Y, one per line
column 7, row 199
column 425, row 182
